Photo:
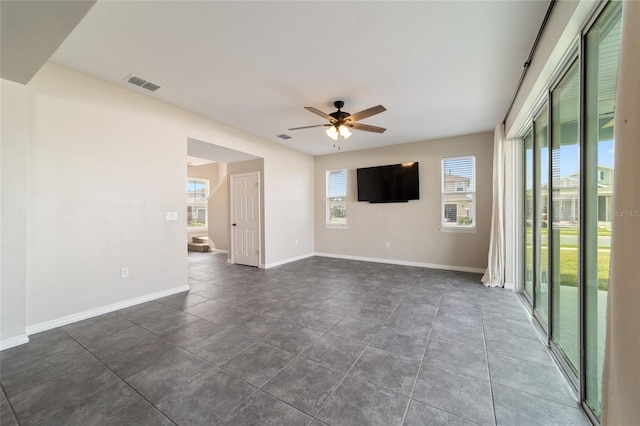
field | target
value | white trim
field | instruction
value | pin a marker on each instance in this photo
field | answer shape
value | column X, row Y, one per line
column 516, row 212
column 288, row 260
column 59, row 322
column 509, row 286
column 12, row 342
column 459, row 228
column 326, row 225
column 404, row 263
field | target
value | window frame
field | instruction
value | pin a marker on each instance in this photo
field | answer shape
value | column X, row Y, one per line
column 457, row 227
column 328, row 217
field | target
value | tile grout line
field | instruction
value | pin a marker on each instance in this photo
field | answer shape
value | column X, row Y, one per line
column 539, row 341
column 438, row 408
column 12, row 410
column 486, row 356
column 255, row 388
column 122, row 380
column 424, row 353
column 217, row 367
column 356, row 361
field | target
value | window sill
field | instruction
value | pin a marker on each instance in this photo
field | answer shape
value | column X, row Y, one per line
column 458, row 229
column 326, row 225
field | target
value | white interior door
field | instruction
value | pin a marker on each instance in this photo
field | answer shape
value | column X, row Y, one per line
column 245, row 219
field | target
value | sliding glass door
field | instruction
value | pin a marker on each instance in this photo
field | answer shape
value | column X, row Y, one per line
column 568, row 186
column 601, row 52
column 565, row 215
column 540, row 220
column 528, row 216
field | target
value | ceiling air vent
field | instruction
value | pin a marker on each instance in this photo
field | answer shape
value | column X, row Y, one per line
column 141, row 82
column 283, row 136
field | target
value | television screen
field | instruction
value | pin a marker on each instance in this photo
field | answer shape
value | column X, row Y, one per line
column 389, row 184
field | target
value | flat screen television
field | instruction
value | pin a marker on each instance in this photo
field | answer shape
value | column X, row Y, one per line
column 395, row 183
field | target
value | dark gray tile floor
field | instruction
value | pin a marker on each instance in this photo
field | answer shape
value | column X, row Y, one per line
column 318, row 341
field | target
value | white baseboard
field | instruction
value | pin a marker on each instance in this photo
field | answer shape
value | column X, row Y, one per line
column 59, row 322
column 510, row 286
column 12, row 342
column 285, row 261
column 404, row 263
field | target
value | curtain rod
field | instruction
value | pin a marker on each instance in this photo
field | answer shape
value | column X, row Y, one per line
column 527, row 63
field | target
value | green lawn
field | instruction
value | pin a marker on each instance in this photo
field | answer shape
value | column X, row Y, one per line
column 569, row 266
column 602, row 232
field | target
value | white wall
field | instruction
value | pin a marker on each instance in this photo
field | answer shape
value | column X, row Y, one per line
column 412, row 228
column 104, row 165
column 218, row 215
column 13, row 216
column 289, row 209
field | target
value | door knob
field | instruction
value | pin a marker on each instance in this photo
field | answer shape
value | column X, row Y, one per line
column 233, row 224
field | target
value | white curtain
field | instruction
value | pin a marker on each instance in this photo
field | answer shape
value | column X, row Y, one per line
column 621, row 375
column 494, row 276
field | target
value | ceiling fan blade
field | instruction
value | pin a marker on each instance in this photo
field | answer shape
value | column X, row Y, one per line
column 320, row 113
column 366, row 127
column 366, row 113
column 308, row 127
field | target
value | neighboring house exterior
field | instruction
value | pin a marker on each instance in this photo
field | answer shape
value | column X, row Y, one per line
column 566, row 196
column 458, row 204
column 566, row 201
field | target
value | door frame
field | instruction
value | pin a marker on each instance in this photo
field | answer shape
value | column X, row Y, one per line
column 231, row 258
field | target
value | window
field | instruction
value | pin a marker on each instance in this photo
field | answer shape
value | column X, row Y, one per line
column 337, row 197
column 459, row 192
column 197, row 193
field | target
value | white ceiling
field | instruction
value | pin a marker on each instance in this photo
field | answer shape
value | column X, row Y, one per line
column 30, row 31
column 440, row 68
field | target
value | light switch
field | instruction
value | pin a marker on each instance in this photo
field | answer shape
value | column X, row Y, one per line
column 170, row 215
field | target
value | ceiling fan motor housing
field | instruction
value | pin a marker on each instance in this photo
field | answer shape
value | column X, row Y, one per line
column 339, row 115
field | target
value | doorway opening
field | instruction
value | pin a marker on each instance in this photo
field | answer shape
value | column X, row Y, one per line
column 209, row 208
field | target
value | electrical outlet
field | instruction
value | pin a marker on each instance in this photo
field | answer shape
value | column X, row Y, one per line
column 387, row 244
column 171, row 216
column 297, row 243
column 125, row 272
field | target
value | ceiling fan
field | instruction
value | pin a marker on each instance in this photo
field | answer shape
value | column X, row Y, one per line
column 340, row 121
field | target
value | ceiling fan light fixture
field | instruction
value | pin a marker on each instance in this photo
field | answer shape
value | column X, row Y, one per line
column 344, row 131
column 332, row 132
